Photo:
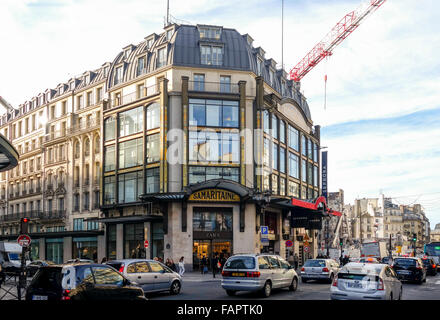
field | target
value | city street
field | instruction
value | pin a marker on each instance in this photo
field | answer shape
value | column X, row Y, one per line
column 210, row 289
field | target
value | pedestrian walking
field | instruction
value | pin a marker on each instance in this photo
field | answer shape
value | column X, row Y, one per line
column 173, row 265
column 181, row 266
column 104, row 260
column 214, row 262
column 204, row 265
column 295, row 261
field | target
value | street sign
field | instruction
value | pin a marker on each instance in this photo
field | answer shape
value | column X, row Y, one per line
column 146, row 244
column 264, row 241
column 289, row 243
column 306, row 237
column 24, row 240
column 306, row 249
column 264, row 230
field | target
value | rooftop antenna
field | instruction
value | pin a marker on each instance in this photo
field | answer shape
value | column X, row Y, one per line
column 168, row 12
column 282, row 34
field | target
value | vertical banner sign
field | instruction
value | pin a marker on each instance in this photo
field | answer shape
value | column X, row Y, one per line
column 324, row 175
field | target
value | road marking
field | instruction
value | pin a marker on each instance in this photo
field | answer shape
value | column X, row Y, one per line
column 437, row 282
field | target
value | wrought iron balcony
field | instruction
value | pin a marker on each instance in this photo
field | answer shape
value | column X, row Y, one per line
column 217, row 87
column 132, row 97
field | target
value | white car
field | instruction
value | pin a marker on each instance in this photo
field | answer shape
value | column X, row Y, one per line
column 150, row 275
column 255, row 272
column 366, row 281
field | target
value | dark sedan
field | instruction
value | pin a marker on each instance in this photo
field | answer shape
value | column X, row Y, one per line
column 431, row 268
column 32, row 268
column 410, row 269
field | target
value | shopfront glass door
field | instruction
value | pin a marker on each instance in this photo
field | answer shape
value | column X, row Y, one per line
column 208, row 248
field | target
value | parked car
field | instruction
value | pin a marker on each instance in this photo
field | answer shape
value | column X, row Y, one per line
column 431, row 267
column 32, row 268
column 410, row 269
column 364, row 281
column 81, row 281
column 255, row 272
column 319, row 269
column 150, row 275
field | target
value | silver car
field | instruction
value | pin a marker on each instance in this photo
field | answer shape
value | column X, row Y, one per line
column 319, row 269
column 150, row 275
column 366, row 281
column 255, row 272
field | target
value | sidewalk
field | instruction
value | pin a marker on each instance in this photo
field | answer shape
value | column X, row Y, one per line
column 196, row 276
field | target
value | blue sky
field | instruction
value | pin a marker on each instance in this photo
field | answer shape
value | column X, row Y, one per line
column 381, row 120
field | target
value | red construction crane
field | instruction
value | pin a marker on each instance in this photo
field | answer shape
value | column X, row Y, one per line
column 343, row 28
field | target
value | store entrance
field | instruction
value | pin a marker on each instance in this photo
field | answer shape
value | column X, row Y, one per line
column 206, row 248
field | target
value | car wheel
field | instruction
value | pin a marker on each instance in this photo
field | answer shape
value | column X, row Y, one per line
column 303, row 280
column 230, row 292
column 175, row 287
column 424, row 280
column 400, row 295
column 391, row 296
column 294, row 284
column 267, row 289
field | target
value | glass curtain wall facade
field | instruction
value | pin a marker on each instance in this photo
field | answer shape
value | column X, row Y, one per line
column 125, row 150
column 291, row 157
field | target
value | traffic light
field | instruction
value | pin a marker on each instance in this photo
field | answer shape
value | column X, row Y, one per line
column 414, row 237
column 341, row 241
column 24, row 226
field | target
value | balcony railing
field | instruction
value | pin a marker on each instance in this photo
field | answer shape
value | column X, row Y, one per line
column 89, row 124
column 53, row 215
column 217, row 87
column 131, row 97
column 55, row 135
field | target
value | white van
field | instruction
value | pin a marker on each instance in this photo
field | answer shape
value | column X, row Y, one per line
column 10, row 256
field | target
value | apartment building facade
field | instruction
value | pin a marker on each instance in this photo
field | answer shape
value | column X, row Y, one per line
column 56, row 182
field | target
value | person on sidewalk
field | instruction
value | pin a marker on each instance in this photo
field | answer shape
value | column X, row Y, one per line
column 181, row 266
column 214, row 262
column 295, row 261
column 203, row 265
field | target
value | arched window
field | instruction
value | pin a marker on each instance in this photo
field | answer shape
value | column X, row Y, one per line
column 97, row 144
column 77, row 149
column 87, row 147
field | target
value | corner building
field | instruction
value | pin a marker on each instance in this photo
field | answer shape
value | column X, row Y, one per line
column 248, row 146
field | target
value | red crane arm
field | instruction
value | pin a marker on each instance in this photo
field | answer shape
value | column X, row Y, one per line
column 342, row 30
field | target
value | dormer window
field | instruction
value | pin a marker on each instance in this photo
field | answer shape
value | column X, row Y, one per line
column 140, row 66
column 169, row 34
column 210, row 33
column 118, row 75
column 106, row 71
column 149, row 43
column 126, row 53
column 72, row 85
column 161, row 57
column 61, row 90
column 87, row 79
column 211, row 55
column 259, row 67
column 271, row 77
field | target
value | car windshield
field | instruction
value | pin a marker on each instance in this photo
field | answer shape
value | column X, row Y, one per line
column 405, row 262
column 315, row 263
column 240, row 263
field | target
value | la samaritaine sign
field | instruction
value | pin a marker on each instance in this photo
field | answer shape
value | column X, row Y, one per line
column 215, row 195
